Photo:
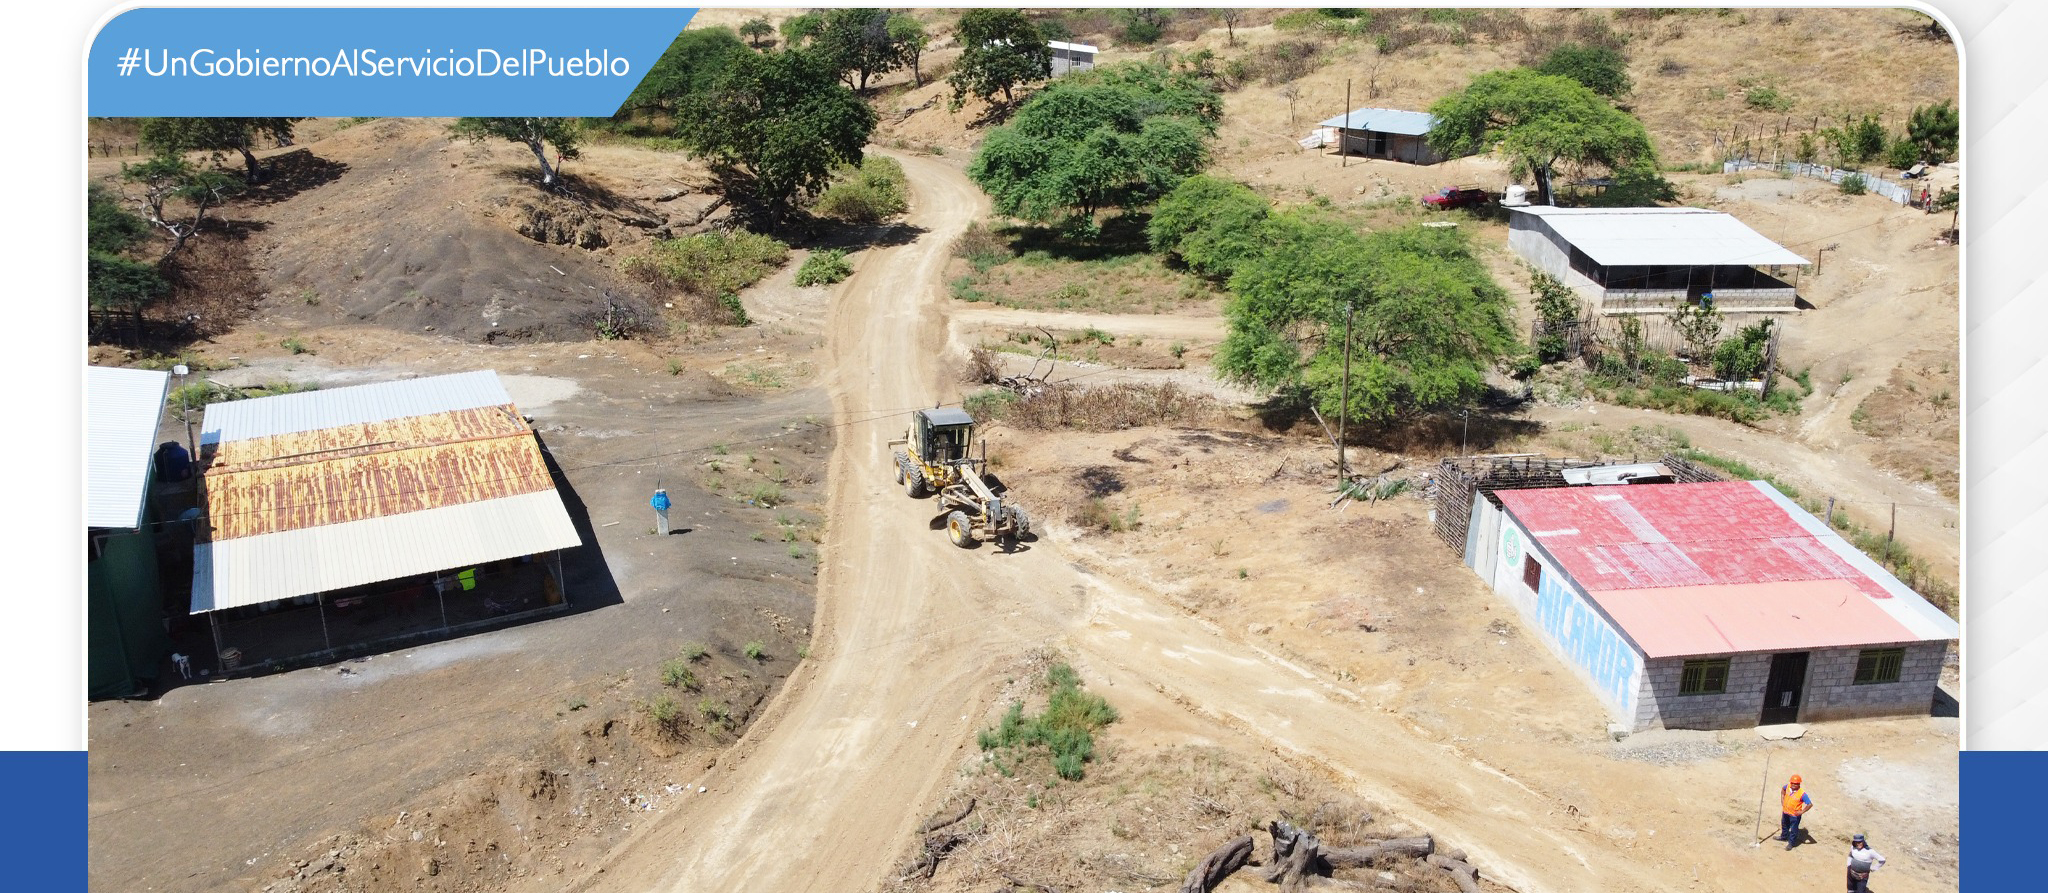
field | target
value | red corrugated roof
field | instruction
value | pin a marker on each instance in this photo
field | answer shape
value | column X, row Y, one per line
column 1657, row 536
column 1746, row 617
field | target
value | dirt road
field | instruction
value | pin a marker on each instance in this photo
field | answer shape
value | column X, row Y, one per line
column 825, row 791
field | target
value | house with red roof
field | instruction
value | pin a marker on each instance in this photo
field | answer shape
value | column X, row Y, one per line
column 1709, row 605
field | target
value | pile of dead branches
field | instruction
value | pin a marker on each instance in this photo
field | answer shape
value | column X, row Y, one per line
column 1301, row 862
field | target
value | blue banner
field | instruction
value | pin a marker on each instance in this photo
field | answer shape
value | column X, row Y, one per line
column 395, row 62
column 42, row 832
column 2001, row 794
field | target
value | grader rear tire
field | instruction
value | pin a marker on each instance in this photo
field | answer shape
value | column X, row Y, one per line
column 960, row 529
column 914, row 485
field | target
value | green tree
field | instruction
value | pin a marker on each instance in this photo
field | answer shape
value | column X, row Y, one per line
column 802, row 29
column 110, row 228
column 781, row 118
column 690, row 64
column 1426, row 321
column 1229, row 18
column 857, row 44
column 176, row 136
column 536, row 134
column 999, row 50
column 1601, row 69
column 909, row 34
column 1699, row 325
column 1558, row 307
column 169, row 181
column 1214, row 225
column 1742, row 357
column 112, row 281
column 1934, row 129
column 756, row 30
column 1114, row 137
column 1539, row 120
column 1144, row 27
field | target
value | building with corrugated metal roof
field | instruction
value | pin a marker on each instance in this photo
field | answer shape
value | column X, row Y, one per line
column 340, row 518
column 1393, row 134
column 125, row 638
column 1654, row 260
column 1708, row 605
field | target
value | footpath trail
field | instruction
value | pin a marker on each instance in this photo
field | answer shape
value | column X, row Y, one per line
column 827, row 789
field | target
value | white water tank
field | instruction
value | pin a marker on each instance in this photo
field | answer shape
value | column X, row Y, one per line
column 1517, row 196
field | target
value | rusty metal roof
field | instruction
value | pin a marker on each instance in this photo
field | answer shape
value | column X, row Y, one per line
column 293, row 510
column 1706, row 553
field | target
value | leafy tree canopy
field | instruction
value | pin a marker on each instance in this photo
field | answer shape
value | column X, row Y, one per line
column 1000, row 50
column 858, row 45
column 1114, row 137
column 692, row 61
column 756, row 30
column 909, row 34
column 536, row 134
column 1427, row 323
column 800, row 29
column 1601, row 69
column 1539, row 120
column 784, row 119
column 176, row 136
column 1934, row 129
column 1212, row 224
column 109, row 227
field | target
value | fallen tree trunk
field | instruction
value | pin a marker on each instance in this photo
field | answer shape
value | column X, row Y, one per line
column 1297, row 856
column 1362, row 856
column 1466, row 875
column 1222, row 863
column 943, row 819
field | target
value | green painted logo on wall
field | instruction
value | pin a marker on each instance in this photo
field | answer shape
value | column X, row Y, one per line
column 1510, row 546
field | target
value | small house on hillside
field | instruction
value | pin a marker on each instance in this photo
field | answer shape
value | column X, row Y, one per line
column 1068, row 58
column 125, row 641
column 1707, row 605
column 340, row 518
column 1652, row 260
column 1378, row 133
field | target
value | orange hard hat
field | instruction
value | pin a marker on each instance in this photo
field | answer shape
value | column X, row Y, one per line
column 1795, row 779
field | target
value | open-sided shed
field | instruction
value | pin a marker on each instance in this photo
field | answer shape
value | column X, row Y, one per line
column 388, row 509
column 1652, row 260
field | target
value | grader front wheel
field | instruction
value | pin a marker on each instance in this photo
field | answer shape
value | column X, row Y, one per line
column 913, row 483
column 960, row 529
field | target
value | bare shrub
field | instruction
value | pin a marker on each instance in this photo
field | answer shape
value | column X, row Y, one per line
column 984, row 366
column 1109, row 407
column 982, row 247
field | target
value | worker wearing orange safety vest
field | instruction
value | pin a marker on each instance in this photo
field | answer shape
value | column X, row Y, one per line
column 1795, row 803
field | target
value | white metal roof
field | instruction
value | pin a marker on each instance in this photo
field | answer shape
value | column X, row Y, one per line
column 1385, row 121
column 1074, row 47
column 314, row 410
column 255, row 569
column 1655, row 237
column 122, row 407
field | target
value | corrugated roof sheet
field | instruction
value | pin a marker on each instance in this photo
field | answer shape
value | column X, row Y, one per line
column 122, row 408
column 384, row 490
column 314, row 410
column 1385, row 121
column 257, row 569
column 1063, row 45
column 1792, row 616
column 1709, row 540
column 1655, row 237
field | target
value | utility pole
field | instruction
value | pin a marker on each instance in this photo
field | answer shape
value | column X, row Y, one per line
column 1344, row 151
column 1344, row 400
column 1831, row 512
column 1894, row 528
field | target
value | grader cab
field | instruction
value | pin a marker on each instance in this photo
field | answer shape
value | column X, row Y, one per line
column 937, row 457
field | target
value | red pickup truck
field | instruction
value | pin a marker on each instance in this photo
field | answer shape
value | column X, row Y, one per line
column 1458, row 197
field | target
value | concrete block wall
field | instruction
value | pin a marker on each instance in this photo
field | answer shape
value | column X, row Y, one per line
column 1831, row 692
column 1660, row 705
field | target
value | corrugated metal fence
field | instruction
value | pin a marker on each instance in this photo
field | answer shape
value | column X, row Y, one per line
column 1905, row 194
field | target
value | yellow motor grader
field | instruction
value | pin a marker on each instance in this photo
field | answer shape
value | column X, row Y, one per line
column 937, row 457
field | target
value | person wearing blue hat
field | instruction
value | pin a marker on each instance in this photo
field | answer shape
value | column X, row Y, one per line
column 1862, row 861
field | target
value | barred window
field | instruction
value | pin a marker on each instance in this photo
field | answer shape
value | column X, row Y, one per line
column 1879, row 665
column 1704, row 677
